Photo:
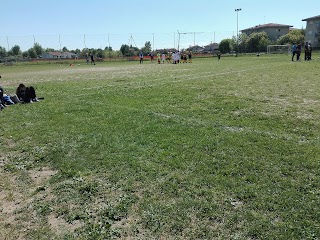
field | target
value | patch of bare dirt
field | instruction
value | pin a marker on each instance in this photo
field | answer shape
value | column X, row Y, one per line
column 17, row 216
column 40, row 177
column 60, row 226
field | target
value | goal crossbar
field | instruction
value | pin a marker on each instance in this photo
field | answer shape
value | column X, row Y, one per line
column 279, row 49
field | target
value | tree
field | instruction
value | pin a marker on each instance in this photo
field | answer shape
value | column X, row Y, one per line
column 84, row 52
column 147, row 48
column 258, row 42
column 49, row 50
column 93, row 51
column 294, row 36
column 224, row 45
column 77, row 51
column 113, row 54
column 3, row 52
column 25, row 54
column 129, row 51
column 15, row 50
column 38, row 50
column 243, row 42
column 32, row 53
column 100, row 53
column 233, row 43
column 125, row 49
column 10, row 53
column 65, row 49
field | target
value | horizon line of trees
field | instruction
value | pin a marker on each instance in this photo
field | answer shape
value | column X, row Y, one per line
column 255, row 42
column 36, row 51
column 258, row 41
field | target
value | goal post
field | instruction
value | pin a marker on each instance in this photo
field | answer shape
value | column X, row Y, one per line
column 279, row 49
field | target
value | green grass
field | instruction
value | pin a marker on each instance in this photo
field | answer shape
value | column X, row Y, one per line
column 208, row 150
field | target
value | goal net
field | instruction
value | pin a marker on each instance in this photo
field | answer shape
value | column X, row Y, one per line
column 279, row 49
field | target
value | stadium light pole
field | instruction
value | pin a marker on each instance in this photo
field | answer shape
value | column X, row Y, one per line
column 237, row 10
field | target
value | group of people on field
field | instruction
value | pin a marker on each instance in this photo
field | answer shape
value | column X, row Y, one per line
column 91, row 57
column 172, row 57
column 297, row 49
column 23, row 94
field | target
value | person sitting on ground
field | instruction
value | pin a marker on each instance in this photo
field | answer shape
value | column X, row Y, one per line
column 26, row 94
column 7, row 100
column 1, row 98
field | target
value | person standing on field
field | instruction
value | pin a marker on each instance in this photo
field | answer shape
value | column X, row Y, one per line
column 169, row 57
column 141, row 56
column 298, row 52
column 92, row 59
column 163, row 57
column 310, row 51
column 87, row 58
column 219, row 56
column 306, row 51
column 190, row 57
column 294, row 50
column 158, row 57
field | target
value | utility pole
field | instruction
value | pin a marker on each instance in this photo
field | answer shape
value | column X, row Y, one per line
column 237, row 10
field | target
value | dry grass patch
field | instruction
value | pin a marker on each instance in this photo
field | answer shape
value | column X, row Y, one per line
column 18, row 196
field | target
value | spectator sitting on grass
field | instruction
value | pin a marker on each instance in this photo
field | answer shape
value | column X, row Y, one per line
column 1, row 98
column 26, row 94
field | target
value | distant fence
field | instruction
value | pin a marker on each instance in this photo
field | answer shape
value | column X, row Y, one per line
column 9, row 61
column 80, row 41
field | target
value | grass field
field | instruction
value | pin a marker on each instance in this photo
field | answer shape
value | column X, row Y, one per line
column 208, row 150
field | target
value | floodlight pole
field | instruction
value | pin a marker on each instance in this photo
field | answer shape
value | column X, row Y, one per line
column 152, row 41
column 8, row 42
column 60, row 42
column 237, row 10
column 109, row 41
column 178, row 40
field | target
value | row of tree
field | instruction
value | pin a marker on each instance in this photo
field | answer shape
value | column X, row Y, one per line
column 258, row 42
column 36, row 51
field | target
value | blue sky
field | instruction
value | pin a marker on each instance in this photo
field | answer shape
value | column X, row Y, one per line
column 216, row 19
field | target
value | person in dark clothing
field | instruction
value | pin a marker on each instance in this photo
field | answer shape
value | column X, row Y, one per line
column 294, row 51
column 298, row 52
column 310, row 51
column 219, row 56
column 306, row 52
column 141, row 56
column 26, row 94
column 87, row 58
column 92, row 59
column 190, row 57
column 1, row 99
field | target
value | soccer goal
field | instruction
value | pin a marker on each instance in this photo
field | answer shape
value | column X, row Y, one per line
column 279, row 49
